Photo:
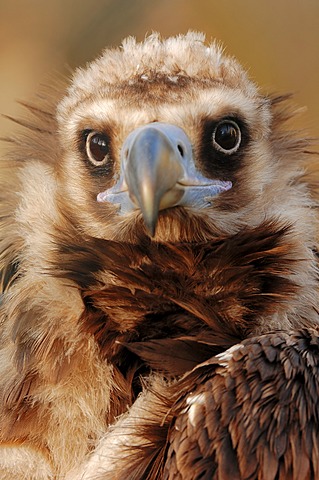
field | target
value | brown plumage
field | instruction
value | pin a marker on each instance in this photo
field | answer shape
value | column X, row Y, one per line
column 248, row 413
column 158, row 240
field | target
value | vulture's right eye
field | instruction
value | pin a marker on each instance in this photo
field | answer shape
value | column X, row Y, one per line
column 97, row 147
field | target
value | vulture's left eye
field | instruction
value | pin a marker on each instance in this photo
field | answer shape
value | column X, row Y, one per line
column 227, row 137
column 97, row 147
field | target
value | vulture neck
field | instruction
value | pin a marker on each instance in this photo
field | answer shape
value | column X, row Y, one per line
column 142, row 300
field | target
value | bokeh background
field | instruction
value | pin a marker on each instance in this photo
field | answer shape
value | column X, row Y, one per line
column 276, row 40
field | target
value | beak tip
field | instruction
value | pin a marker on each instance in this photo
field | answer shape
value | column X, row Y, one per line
column 150, row 225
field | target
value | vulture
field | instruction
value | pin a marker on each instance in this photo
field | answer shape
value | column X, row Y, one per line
column 159, row 275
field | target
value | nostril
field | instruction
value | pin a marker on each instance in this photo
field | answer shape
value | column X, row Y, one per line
column 181, row 150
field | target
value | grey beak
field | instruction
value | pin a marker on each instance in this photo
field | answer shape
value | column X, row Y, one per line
column 152, row 172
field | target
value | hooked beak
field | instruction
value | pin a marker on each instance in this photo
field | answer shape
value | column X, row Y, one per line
column 158, row 172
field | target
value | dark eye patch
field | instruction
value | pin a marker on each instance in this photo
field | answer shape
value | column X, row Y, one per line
column 222, row 146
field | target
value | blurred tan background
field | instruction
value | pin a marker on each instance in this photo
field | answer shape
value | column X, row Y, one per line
column 277, row 40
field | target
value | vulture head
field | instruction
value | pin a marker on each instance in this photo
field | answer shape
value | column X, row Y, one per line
column 171, row 140
column 153, row 214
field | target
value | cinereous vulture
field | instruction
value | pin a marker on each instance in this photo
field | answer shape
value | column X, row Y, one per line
column 159, row 305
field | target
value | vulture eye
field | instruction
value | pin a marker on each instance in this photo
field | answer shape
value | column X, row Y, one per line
column 97, row 147
column 227, row 137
